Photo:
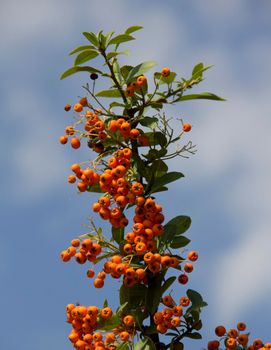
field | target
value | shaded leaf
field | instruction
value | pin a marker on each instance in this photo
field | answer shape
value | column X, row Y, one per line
column 140, row 69
column 125, row 70
column 196, row 300
column 195, row 335
column 175, row 227
column 179, row 242
column 150, row 122
column 118, row 234
column 109, row 93
column 146, row 344
column 109, row 324
column 95, row 188
column 167, row 284
column 165, row 179
column 85, row 56
column 73, row 70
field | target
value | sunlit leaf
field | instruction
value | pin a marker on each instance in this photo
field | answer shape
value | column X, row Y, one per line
column 85, row 56
column 109, row 93
column 92, row 38
column 120, row 39
column 76, row 69
column 139, row 70
column 132, row 29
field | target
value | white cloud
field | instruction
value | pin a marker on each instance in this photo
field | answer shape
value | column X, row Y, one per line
column 241, row 274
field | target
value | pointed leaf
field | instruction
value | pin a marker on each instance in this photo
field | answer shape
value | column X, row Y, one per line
column 195, row 335
column 198, row 70
column 165, row 80
column 76, row 69
column 167, row 284
column 81, row 48
column 118, row 234
column 132, row 29
column 175, row 227
column 140, row 69
column 85, row 56
column 165, row 179
column 92, row 38
column 200, row 96
column 109, row 93
column 120, row 39
column 150, row 122
column 179, row 242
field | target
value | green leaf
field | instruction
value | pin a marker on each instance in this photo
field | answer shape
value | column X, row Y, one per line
column 109, row 324
column 146, row 344
column 195, row 335
column 140, row 69
column 121, row 308
column 85, row 56
column 118, row 234
column 116, row 104
column 109, row 93
column 167, row 284
column 108, row 38
column 92, row 38
column 179, row 242
column 198, row 70
column 73, row 70
column 95, row 188
column 196, row 300
column 176, row 346
column 123, row 346
column 116, row 69
column 165, row 80
column 105, row 303
column 125, row 70
column 81, row 48
column 150, row 122
column 135, row 296
column 200, row 96
column 158, row 168
column 132, row 29
column 156, row 138
column 175, row 227
column 165, row 179
column 120, row 39
column 114, row 54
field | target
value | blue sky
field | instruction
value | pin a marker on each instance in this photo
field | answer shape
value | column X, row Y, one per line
column 226, row 190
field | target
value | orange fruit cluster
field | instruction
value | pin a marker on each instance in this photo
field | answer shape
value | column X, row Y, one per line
column 170, row 317
column 85, row 323
column 87, row 177
column 81, row 251
column 98, row 130
column 135, row 85
column 234, row 338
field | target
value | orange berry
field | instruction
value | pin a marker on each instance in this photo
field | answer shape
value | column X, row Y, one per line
column 184, row 301
column 241, row 326
column 124, row 336
column 167, row 300
column 165, row 72
column 233, row 333
column 128, row 320
column 258, row 343
column 75, row 242
column 106, row 313
column 141, row 80
column 78, row 107
column 242, row 339
column 193, row 255
column 75, row 142
column 188, row 268
column 213, row 345
column 176, row 321
column 231, row 343
column 220, row 331
column 90, row 273
column 63, row 139
column 67, row 107
column 129, row 92
column 83, row 101
column 98, row 283
column 187, row 127
column 71, row 179
column 183, row 279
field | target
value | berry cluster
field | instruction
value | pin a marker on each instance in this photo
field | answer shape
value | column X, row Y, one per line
column 86, row 321
column 233, row 338
column 170, row 317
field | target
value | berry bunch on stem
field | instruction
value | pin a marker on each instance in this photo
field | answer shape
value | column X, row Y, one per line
column 132, row 138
